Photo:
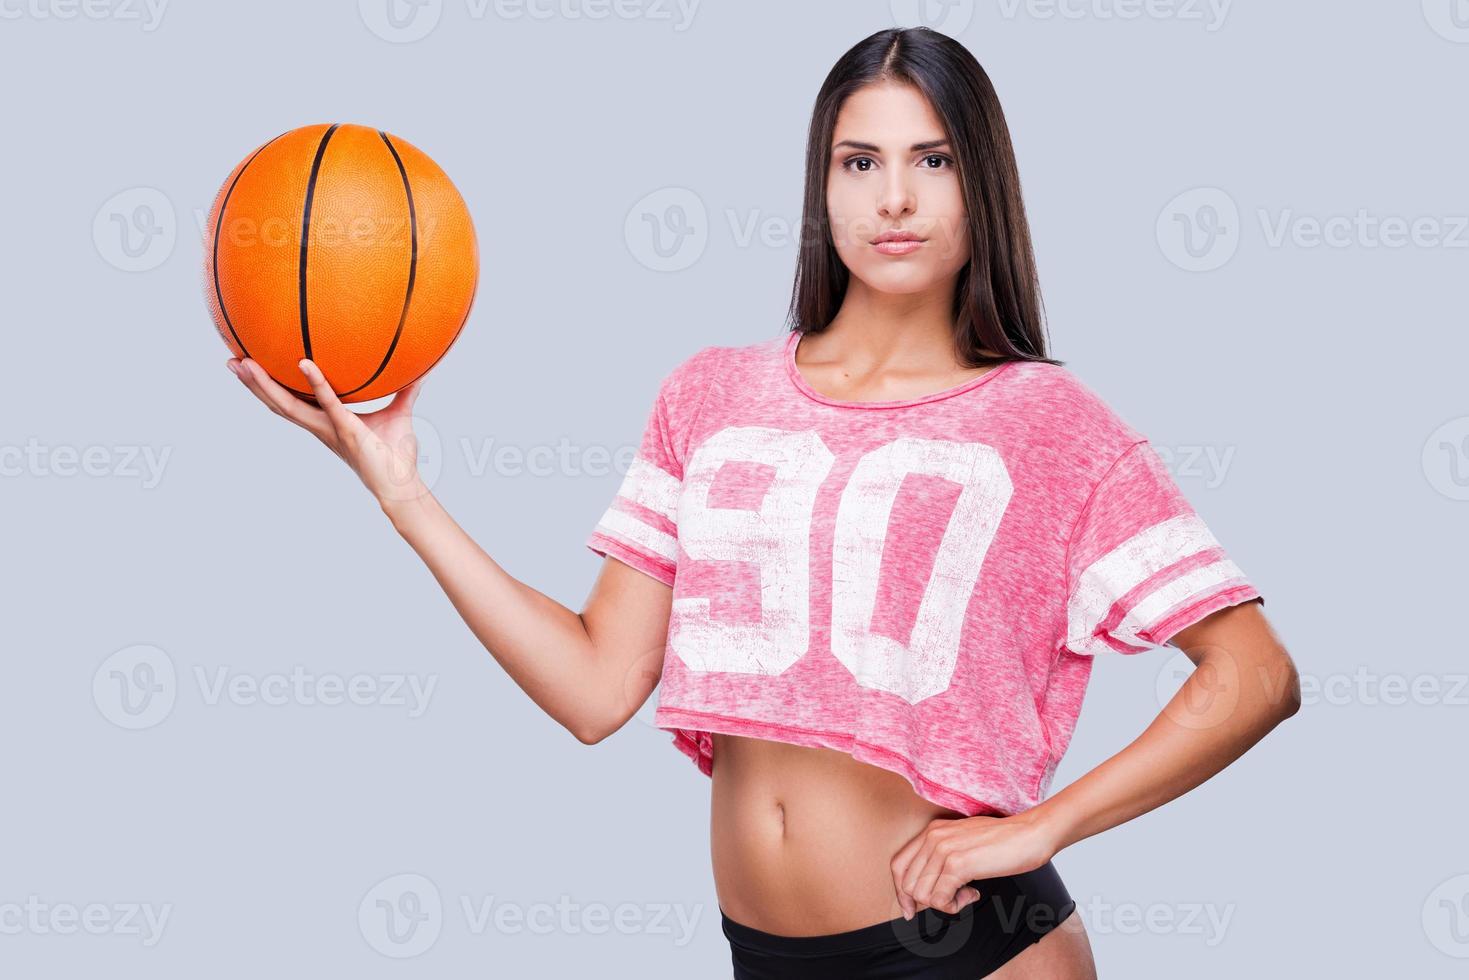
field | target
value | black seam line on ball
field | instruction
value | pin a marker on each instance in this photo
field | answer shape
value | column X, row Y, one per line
column 306, row 233
column 218, row 227
column 451, row 340
column 412, row 266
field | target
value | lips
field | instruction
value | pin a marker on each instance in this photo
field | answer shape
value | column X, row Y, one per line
column 897, row 243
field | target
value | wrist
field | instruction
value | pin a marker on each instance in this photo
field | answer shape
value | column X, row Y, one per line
column 1051, row 825
column 406, row 505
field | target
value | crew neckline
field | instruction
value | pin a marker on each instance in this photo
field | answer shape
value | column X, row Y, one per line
column 793, row 340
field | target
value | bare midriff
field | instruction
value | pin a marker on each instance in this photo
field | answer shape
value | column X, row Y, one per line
column 803, row 838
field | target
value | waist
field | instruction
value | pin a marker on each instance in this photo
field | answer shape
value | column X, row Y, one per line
column 803, row 838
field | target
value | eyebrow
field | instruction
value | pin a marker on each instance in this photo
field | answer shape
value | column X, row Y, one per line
column 872, row 148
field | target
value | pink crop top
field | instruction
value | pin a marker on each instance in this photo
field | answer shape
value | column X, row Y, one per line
column 922, row 583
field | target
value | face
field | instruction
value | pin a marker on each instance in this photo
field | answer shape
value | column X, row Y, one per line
column 892, row 169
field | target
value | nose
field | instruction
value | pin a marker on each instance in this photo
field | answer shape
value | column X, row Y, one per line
column 896, row 198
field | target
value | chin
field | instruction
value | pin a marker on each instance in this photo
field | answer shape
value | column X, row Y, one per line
column 898, row 281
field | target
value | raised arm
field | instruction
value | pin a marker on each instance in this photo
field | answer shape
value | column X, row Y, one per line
column 590, row 670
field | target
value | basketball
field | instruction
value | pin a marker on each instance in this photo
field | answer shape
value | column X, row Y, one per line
column 346, row 245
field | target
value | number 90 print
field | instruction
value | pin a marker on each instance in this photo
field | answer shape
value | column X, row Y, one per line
column 776, row 537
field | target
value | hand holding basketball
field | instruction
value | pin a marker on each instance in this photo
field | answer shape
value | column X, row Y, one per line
column 380, row 446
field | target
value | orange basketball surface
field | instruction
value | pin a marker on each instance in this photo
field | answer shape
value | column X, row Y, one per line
column 344, row 244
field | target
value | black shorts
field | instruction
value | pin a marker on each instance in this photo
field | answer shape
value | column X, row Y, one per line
column 1011, row 913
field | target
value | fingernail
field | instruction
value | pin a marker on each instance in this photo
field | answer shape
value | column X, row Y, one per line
column 302, row 364
column 233, row 370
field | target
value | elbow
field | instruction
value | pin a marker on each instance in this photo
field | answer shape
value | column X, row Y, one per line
column 1289, row 684
column 591, row 728
column 588, row 734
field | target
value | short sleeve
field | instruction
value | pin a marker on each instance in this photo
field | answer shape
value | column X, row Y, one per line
column 640, row 525
column 1141, row 564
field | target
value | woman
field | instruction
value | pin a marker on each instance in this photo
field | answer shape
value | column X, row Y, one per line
column 871, row 562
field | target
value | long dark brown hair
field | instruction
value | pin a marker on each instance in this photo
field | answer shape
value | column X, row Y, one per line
column 997, row 303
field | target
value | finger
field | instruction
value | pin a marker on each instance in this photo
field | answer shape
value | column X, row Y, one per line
column 900, row 863
column 949, row 892
column 345, row 422
column 925, row 873
column 916, row 864
column 404, row 400
column 280, row 401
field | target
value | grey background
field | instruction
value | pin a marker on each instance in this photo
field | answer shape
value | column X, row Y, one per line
column 1324, row 381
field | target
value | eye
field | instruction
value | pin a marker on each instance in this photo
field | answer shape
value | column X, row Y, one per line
column 851, row 165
